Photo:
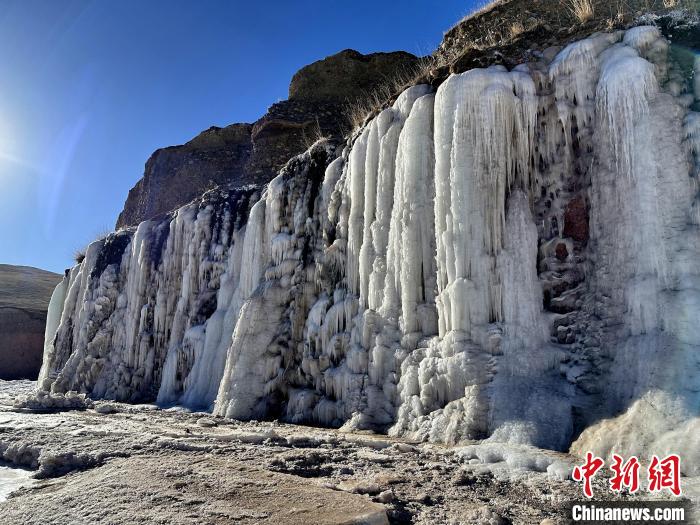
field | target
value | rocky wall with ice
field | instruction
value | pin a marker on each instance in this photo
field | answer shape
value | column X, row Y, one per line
column 126, row 323
column 511, row 256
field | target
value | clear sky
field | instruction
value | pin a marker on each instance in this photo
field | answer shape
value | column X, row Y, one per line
column 89, row 89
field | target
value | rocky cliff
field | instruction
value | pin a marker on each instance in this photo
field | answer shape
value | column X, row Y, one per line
column 253, row 153
column 24, row 301
column 506, row 254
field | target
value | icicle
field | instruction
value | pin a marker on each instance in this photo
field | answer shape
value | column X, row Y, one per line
column 484, row 132
column 626, row 84
column 53, row 321
column 410, row 260
column 355, row 191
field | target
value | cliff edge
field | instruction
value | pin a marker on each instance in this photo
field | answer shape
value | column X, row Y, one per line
column 254, row 153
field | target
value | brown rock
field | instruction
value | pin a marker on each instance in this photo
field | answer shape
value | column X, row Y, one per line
column 385, row 497
column 242, row 154
column 24, row 300
column 359, row 486
column 561, row 252
column 346, row 75
column 576, row 220
column 178, row 174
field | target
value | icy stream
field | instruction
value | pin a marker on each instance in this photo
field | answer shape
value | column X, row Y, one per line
column 511, row 257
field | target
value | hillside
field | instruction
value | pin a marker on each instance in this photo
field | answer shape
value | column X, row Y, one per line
column 24, row 300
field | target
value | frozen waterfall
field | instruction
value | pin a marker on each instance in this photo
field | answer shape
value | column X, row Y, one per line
column 512, row 256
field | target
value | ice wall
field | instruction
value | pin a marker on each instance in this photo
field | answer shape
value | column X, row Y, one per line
column 511, row 256
column 128, row 322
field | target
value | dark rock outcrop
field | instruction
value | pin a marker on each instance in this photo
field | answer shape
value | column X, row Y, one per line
column 254, row 153
column 347, row 75
column 24, row 300
column 178, row 174
column 576, row 220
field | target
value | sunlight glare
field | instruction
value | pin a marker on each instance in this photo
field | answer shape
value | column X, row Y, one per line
column 8, row 153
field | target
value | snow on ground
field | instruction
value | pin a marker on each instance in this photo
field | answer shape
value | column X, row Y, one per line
column 125, row 463
column 10, row 390
column 11, row 479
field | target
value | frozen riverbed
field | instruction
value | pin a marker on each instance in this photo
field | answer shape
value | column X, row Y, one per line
column 9, row 390
column 11, row 479
column 133, row 464
column 136, row 463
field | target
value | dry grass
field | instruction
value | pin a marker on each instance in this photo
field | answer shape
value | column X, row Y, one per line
column 582, row 10
column 358, row 111
column 79, row 254
column 488, row 37
column 312, row 134
column 516, row 29
column 483, row 8
column 615, row 20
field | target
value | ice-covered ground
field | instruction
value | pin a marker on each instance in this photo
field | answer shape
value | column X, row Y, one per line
column 11, row 479
column 10, row 390
column 125, row 464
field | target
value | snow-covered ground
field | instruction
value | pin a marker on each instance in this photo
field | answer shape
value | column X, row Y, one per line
column 13, row 478
column 137, row 463
column 124, row 464
column 10, row 390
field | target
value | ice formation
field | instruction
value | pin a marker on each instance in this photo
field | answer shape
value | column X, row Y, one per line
column 126, row 323
column 511, row 256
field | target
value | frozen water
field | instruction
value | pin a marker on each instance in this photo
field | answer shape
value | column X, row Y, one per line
column 12, row 479
column 512, row 256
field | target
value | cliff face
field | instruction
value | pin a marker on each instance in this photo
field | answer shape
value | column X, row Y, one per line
column 24, row 300
column 509, row 256
column 254, row 153
column 178, row 174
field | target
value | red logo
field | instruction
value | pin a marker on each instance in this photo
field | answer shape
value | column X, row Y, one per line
column 586, row 472
column 626, row 474
column 665, row 474
column 662, row 474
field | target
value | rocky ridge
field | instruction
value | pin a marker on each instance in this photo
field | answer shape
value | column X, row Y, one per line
column 253, row 153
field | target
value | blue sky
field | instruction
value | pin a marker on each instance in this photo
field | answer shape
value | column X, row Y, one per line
column 89, row 89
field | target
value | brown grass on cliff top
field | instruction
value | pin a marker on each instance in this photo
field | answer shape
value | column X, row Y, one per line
column 491, row 24
column 358, row 110
column 512, row 28
column 79, row 253
column 583, row 10
column 575, row 7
